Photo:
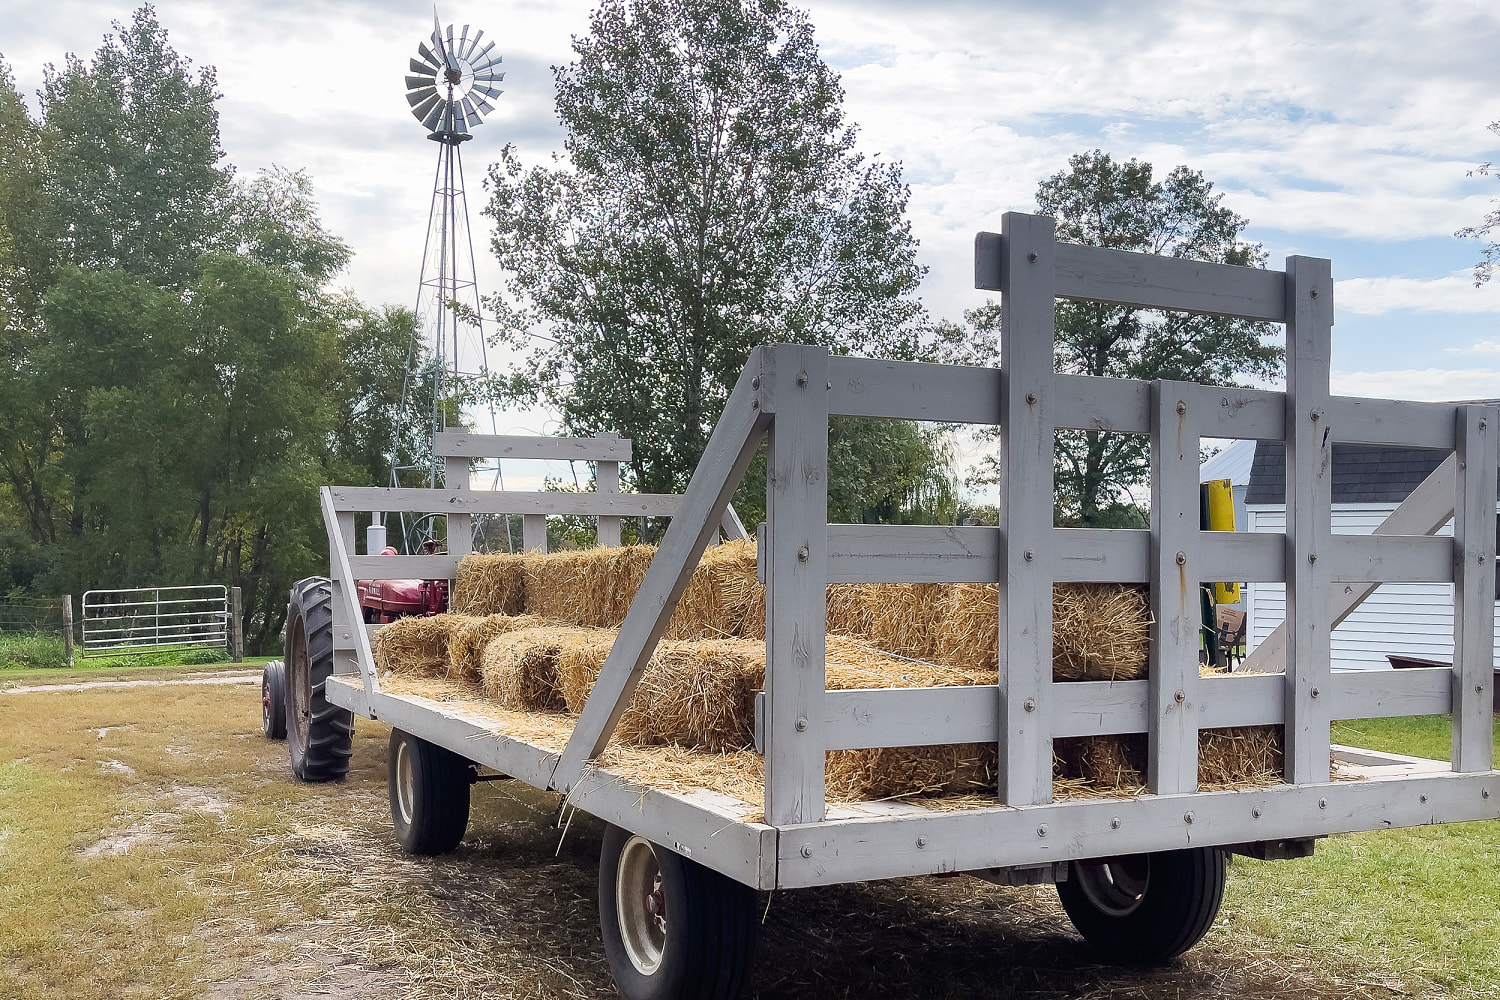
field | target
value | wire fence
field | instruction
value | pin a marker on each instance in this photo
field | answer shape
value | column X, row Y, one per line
column 32, row 616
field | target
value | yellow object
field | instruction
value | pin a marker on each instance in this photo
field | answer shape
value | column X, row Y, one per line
column 1221, row 518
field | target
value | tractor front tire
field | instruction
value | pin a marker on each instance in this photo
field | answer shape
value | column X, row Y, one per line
column 319, row 734
column 273, row 700
column 1146, row 908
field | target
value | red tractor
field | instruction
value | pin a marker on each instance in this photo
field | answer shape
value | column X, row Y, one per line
column 386, row 600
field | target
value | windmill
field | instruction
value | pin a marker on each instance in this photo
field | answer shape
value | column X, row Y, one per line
column 449, row 86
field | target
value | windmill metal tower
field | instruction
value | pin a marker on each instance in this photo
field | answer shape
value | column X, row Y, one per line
column 449, row 86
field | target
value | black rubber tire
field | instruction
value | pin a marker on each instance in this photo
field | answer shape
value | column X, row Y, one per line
column 319, row 735
column 436, row 781
column 1176, row 905
column 273, row 700
column 712, row 925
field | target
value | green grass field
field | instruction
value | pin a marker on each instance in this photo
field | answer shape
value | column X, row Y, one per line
column 39, row 659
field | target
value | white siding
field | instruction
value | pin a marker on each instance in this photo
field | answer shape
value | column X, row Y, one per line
column 1410, row 619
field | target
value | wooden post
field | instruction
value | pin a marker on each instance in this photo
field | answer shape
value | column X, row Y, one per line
column 534, row 532
column 1309, row 525
column 607, row 480
column 796, row 381
column 1474, row 589
column 1175, row 617
column 1026, row 447
column 460, row 526
column 67, row 610
column 236, row 627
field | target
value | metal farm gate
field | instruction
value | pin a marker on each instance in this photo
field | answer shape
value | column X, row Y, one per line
column 146, row 618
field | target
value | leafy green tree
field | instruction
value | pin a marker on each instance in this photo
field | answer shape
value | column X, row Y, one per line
column 709, row 199
column 1100, row 202
column 131, row 142
column 1488, row 226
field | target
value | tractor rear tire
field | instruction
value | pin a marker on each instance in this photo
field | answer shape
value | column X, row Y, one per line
column 319, row 734
column 673, row 929
column 429, row 789
column 1147, row 908
column 273, row 700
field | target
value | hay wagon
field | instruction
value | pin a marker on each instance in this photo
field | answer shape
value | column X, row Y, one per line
column 1141, row 873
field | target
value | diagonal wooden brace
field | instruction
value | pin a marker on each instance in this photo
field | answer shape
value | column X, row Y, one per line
column 725, row 459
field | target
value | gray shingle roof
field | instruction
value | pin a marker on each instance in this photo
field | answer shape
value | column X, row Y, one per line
column 1362, row 473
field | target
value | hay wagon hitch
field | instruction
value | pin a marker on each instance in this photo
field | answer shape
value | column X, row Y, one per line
column 1139, row 874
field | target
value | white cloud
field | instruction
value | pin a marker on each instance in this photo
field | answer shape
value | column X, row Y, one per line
column 1425, row 384
column 1454, row 294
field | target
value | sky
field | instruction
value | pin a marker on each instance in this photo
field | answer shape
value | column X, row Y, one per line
column 1346, row 130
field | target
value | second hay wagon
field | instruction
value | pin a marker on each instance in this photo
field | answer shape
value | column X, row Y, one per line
column 1141, row 875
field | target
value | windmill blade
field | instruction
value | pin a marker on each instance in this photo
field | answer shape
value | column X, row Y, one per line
column 418, row 96
column 481, row 68
column 422, row 66
column 474, row 43
column 463, row 41
column 425, row 108
column 480, row 88
column 418, row 82
column 485, row 107
column 483, row 54
column 430, row 56
column 437, row 33
column 451, row 53
column 434, row 116
column 471, row 116
column 492, row 78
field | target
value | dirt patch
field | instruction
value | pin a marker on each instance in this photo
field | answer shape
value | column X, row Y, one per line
column 317, row 966
column 183, row 800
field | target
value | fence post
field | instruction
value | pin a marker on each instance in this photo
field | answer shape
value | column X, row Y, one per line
column 236, row 628
column 67, row 610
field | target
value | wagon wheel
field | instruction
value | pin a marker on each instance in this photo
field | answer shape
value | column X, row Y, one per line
column 429, row 790
column 1145, row 908
column 319, row 734
column 673, row 929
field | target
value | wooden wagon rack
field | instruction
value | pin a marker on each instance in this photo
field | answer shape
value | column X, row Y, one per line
column 786, row 394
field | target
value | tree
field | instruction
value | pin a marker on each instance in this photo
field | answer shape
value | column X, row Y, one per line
column 1099, row 202
column 709, row 199
column 1488, row 226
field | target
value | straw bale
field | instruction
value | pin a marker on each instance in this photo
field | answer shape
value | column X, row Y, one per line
column 416, row 645
column 473, row 633
column 719, row 595
column 1100, row 631
column 1240, row 756
column 520, row 668
column 901, row 772
column 490, row 585
column 590, row 588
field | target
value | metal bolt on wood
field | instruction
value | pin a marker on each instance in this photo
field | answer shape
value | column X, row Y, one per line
column 921, row 842
column 1188, row 817
column 807, row 850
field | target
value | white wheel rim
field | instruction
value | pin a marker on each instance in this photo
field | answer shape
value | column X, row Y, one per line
column 1116, row 887
column 405, row 783
column 640, row 905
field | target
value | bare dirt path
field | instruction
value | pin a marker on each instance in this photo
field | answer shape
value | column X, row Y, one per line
column 216, row 679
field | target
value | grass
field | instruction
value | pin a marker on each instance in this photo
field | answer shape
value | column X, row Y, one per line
column 234, row 883
column 38, row 659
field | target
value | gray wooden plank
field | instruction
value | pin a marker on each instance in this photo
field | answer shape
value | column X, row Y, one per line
column 732, row 526
column 1226, row 700
column 607, row 480
column 1399, row 422
column 988, row 261
column 534, row 532
column 1237, row 413
column 1101, row 555
column 913, row 553
column 1087, row 403
column 1243, row 556
column 1309, row 482
column 857, row 849
column 1097, row 708
column 346, row 599
column 1028, row 262
column 460, row 526
column 1148, row 281
column 1426, row 510
column 1172, row 762
column 1473, row 570
column 910, row 717
column 1389, row 558
column 909, row 390
column 725, row 458
column 1386, row 694
column 797, row 536
column 387, row 498
column 434, row 567
column 461, row 444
